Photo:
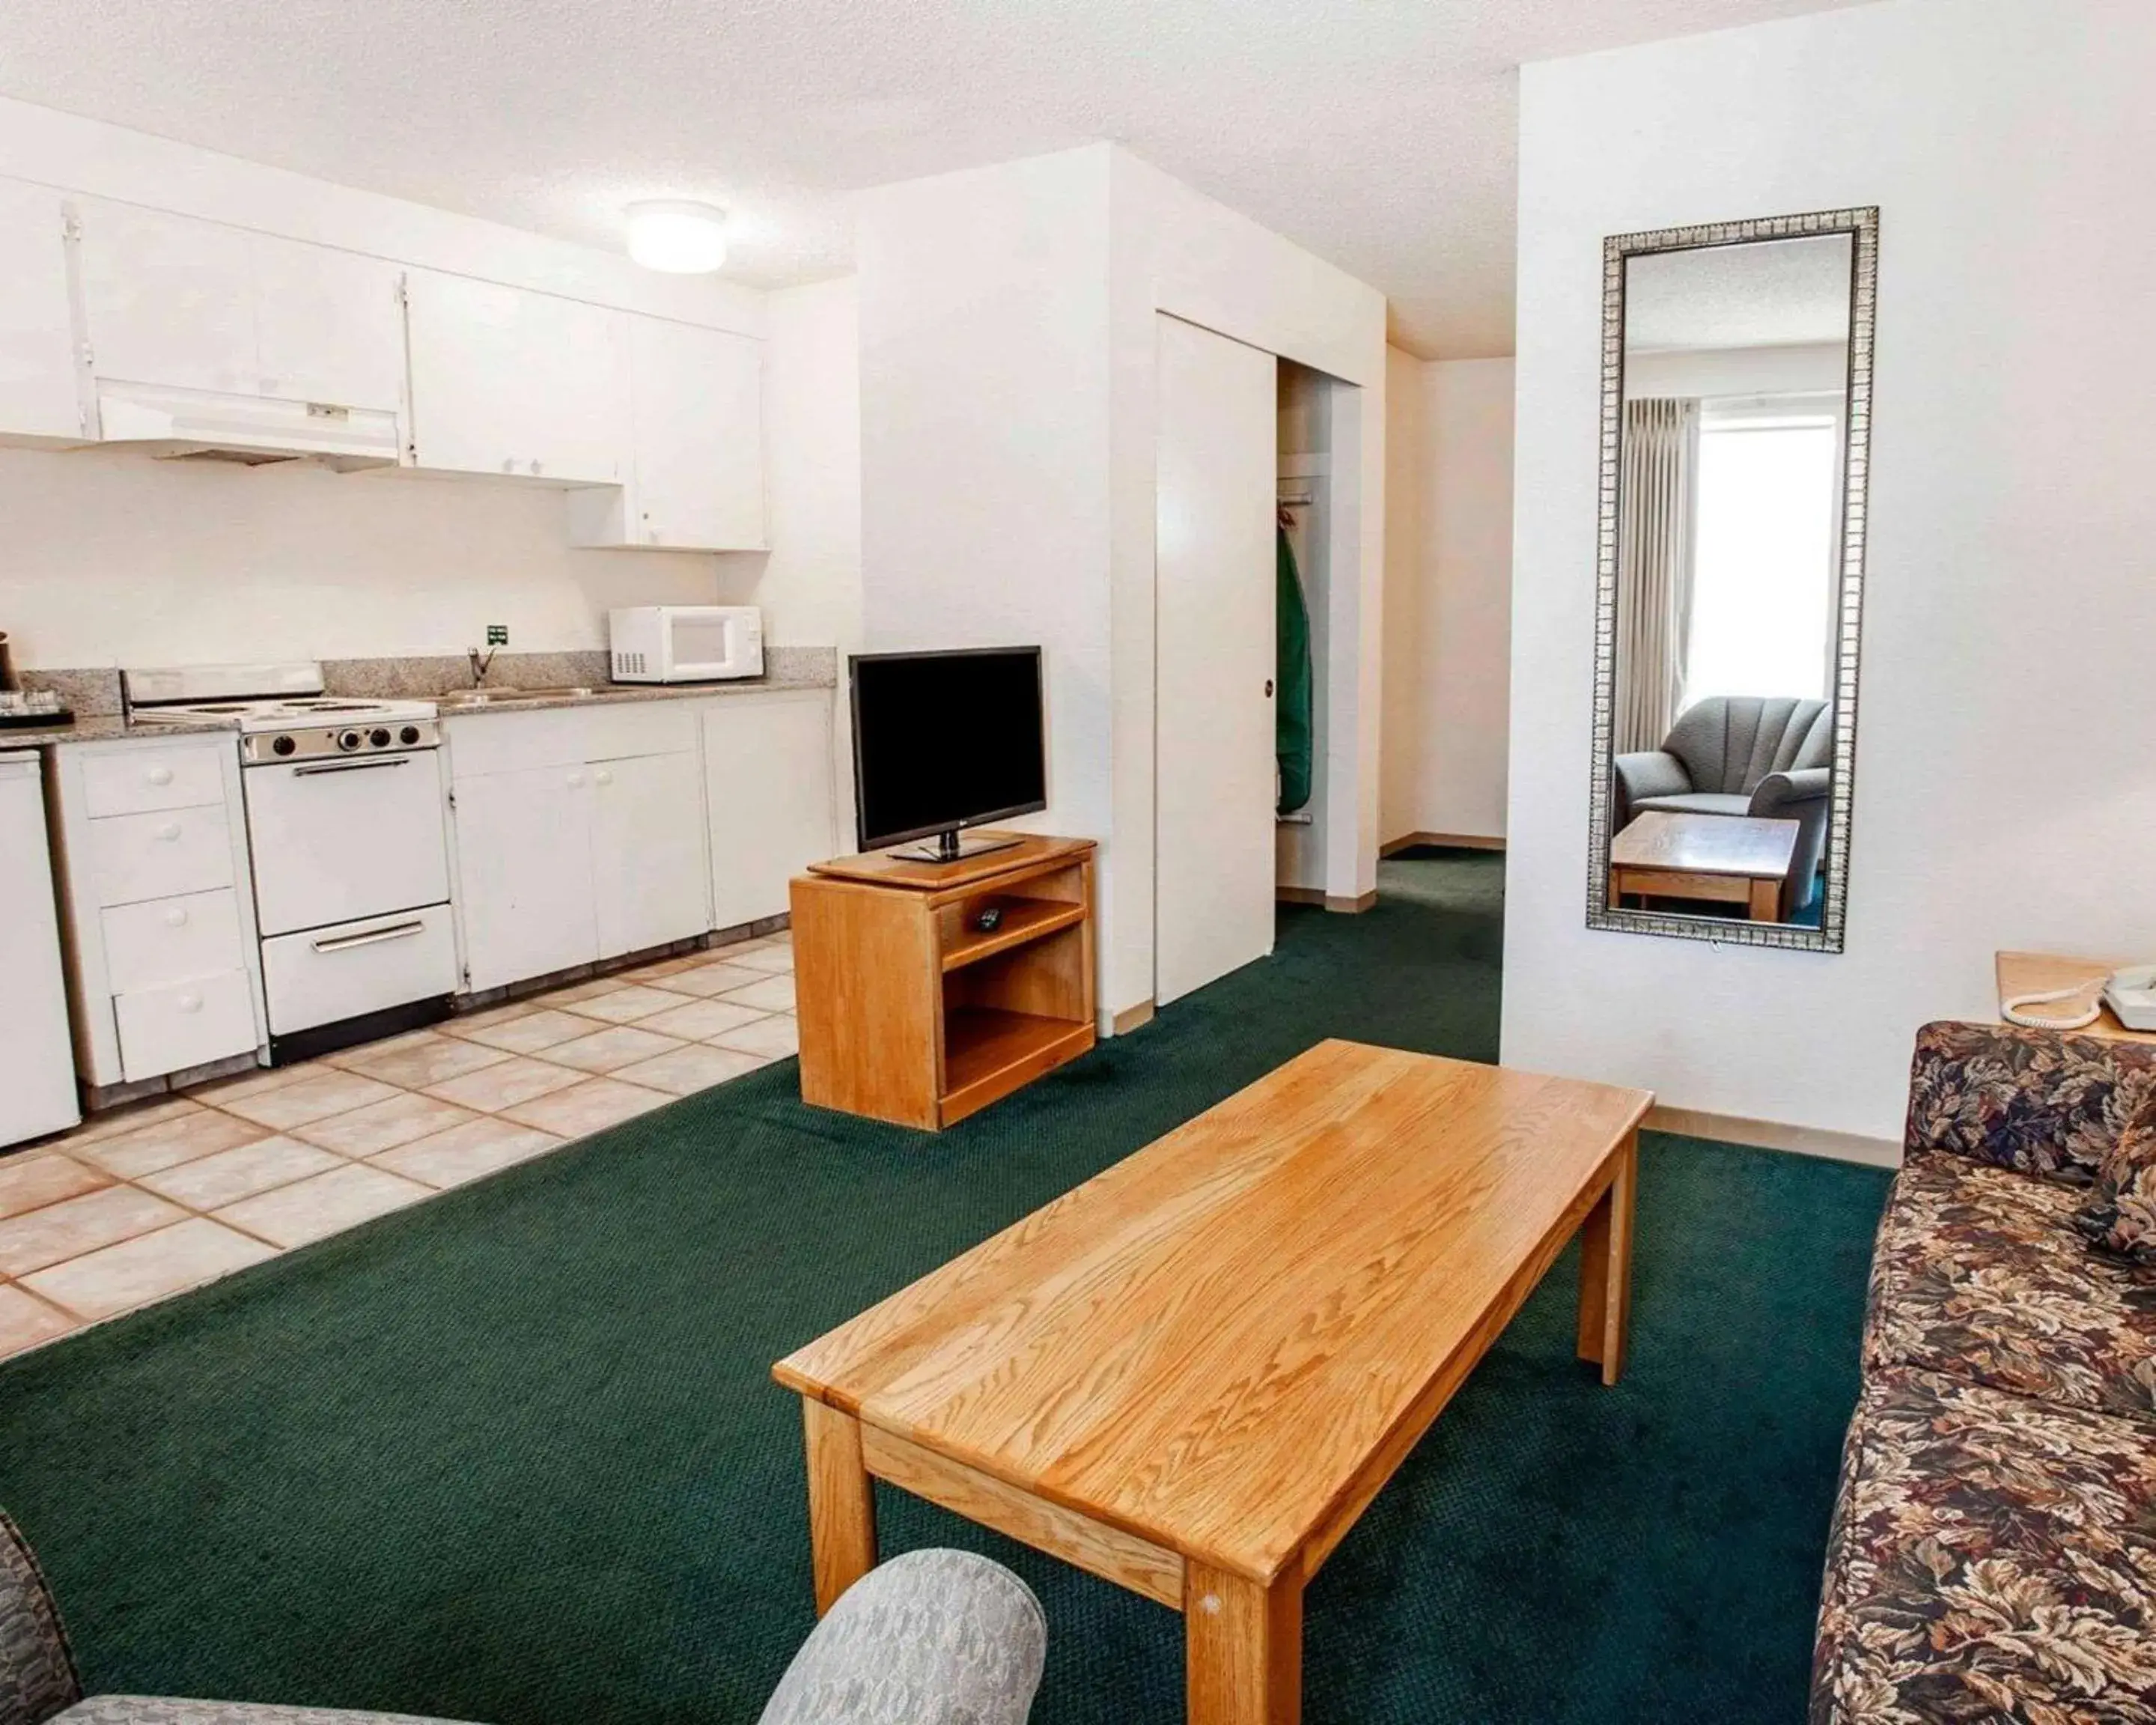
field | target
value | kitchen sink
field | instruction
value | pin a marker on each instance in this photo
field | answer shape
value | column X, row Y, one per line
column 489, row 697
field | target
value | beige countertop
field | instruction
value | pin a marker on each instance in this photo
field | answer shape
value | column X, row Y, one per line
column 98, row 728
column 620, row 694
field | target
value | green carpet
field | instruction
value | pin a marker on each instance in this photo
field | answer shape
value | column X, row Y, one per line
column 514, row 1456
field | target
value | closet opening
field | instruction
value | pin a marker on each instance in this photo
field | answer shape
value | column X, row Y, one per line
column 1303, row 573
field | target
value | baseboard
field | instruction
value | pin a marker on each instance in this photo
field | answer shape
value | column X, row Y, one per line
column 1455, row 841
column 1131, row 1018
column 1772, row 1134
column 1299, row 895
column 1352, row 907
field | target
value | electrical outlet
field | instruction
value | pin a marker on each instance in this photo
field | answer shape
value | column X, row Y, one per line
column 497, row 635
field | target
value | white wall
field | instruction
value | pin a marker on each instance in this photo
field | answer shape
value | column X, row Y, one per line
column 2006, row 792
column 1448, row 599
column 114, row 558
column 1007, row 455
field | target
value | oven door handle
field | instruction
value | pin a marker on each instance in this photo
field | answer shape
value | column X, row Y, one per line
column 394, row 932
column 352, row 765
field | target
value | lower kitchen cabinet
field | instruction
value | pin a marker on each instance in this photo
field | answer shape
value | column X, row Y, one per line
column 767, row 784
column 647, row 872
column 524, row 872
column 37, row 1072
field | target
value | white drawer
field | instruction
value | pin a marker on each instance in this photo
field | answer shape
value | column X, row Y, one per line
column 644, row 727
column 172, row 940
column 133, row 857
column 481, row 743
column 184, row 1024
column 134, row 781
column 325, row 975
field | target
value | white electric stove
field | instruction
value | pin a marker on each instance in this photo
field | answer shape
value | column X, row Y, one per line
column 347, row 835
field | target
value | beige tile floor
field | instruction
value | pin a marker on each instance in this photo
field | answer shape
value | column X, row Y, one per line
column 149, row 1201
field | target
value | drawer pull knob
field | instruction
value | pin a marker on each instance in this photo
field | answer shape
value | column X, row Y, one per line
column 159, row 775
column 605, row 777
column 189, row 1002
column 169, row 831
column 575, row 779
column 176, row 917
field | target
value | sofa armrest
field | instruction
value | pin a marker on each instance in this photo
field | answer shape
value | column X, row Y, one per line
column 1777, row 791
column 1652, row 772
column 930, row 1638
column 37, row 1673
column 2044, row 1102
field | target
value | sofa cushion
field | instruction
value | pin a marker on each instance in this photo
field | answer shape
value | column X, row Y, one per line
column 1979, row 1274
column 158, row 1710
column 1697, row 803
column 2034, row 1101
column 1992, row 1558
column 2120, row 1217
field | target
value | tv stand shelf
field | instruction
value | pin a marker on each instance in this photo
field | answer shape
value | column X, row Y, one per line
column 913, row 1013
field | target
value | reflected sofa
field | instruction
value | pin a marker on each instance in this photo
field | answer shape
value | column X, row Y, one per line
column 1739, row 754
column 1993, row 1552
column 930, row 1638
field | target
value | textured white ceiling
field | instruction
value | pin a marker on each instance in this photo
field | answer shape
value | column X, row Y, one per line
column 1774, row 294
column 1379, row 134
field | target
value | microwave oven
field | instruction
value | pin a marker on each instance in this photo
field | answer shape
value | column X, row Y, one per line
column 685, row 644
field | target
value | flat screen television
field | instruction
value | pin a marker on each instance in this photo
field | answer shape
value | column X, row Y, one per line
column 945, row 741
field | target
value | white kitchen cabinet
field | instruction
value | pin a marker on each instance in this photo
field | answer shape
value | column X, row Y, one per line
column 183, row 304
column 505, row 380
column 579, row 836
column 767, row 783
column 36, row 1069
column 695, row 474
column 524, row 872
column 648, row 876
column 39, row 395
column 158, row 906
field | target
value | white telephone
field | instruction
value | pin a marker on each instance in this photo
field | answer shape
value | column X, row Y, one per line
column 2130, row 993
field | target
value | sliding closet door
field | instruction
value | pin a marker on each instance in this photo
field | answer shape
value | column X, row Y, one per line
column 1213, row 711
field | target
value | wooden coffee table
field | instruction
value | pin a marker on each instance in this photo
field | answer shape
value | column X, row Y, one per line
column 1191, row 1375
column 1729, row 859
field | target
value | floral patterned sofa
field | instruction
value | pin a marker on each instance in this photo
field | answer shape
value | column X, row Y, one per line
column 1993, row 1556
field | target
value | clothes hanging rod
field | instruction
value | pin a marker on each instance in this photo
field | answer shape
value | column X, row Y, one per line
column 1301, row 502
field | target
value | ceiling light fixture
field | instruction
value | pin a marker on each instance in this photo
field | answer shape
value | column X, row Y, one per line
column 681, row 237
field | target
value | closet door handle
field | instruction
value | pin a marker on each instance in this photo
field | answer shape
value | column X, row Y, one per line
column 1269, row 688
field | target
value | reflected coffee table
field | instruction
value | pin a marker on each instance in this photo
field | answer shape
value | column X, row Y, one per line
column 1726, row 859
column 1192, row 1374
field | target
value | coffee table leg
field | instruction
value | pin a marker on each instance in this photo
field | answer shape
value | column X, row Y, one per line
column 1766, row 904
column 1605, row 1266
column 1243, row 1648
column 842, row 1532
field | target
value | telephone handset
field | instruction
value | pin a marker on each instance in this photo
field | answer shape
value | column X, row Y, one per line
column 2130, row 993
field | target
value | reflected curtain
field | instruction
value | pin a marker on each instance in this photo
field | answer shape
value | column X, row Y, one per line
column 1659, row 458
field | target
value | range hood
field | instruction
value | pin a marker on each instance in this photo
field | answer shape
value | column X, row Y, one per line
column 207, row 424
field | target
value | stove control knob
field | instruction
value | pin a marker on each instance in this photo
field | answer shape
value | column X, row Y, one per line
column 348, row 739
column 408, row 736
column 378, row 737
column 283, row 746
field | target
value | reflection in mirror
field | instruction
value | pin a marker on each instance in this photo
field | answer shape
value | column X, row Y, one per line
column 1736, row 409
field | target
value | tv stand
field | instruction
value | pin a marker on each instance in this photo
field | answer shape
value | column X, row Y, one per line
column 950, row 848
column 910, row 1010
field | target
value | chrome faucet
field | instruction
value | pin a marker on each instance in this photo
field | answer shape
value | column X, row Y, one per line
column 481, row 663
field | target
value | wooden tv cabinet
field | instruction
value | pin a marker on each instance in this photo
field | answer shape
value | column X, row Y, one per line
column 909, row 1011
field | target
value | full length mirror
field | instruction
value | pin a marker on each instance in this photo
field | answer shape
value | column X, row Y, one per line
column 1736, row 379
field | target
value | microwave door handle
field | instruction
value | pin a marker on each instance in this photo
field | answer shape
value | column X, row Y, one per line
column 352, row 765
column 346, row 943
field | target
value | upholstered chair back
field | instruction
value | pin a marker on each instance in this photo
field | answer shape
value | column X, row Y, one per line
column 1729, row 742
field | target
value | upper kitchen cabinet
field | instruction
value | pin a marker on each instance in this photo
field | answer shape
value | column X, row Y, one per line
column 198, row 333
column 695, row 474
column 505, row 380
column 39, row 399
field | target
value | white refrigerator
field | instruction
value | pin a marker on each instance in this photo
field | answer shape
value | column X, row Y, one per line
column 37, row 1054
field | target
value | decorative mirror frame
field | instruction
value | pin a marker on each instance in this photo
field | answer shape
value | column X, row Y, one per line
column 1863, row 225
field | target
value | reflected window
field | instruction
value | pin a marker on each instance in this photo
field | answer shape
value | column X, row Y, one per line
column 1763, row 564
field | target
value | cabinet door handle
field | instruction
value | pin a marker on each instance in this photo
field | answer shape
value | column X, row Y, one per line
column 189, row 1002
column 576, row 779
column 535, row 467
column 169, row 831
column 367, row 938
column 605, row 777
column 509, row 464
column 159, row 775
column 176, row 916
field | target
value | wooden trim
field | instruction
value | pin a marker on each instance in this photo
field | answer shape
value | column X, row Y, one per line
column 1299, row 895
column 1131, row 1018
column 1079, row 1541
column 842, row 1532
column 1352, row 907
column 1453, row 841
column 1772, row 1134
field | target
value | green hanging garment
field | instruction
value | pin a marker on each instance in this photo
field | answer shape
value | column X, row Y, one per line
column 1292, row 734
